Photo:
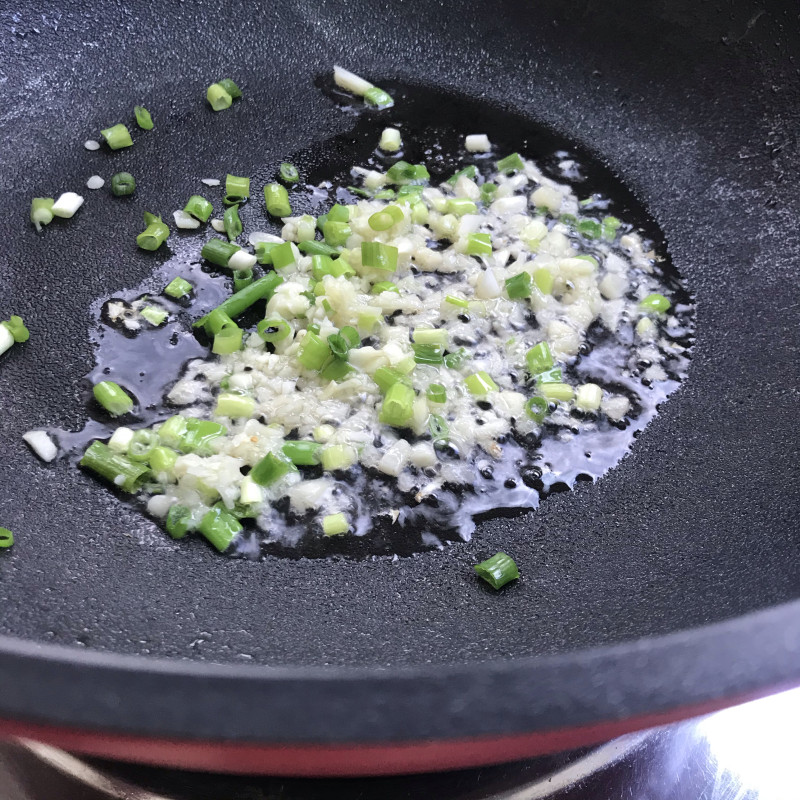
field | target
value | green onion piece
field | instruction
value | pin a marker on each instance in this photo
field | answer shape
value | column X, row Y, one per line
column 379, row 256
column 568, row 219
column 117, row 136
column 271, row 468
column 380, row 221
column 16, row 327
column 456, row 301
column 397, row 407
column 218, row 98
column 143, row 118
column 242, row 278
column 236, row 186
column 6, row 538
column 339, row 346
column 488, row 191
column 335, row 369
column 437, row 336
column 655, row 302
column 149, row 218
column 273, row 330
column 234, row 405
column 153, row 236
column 386, row 377
column 41, row 211
column 198, row 207
column 338, row 456
column 313, row 328
column 512, row 163
column 335, row 524
column 351, row 336
column 479, row 244
column 410, row 192
column 390, row 140
column 154, row 315
column 341, row 267
column 282, row 255
column 321, row 265
column 217, row 320
column 436, row 393
column 200, row 435
column 220, row 527
column 162, row 460
column 142, row 444
column 460, row 206
column 536, row 408
column 306, row 228
column 359, row 192
column 589, row 228
column 591, row 259
column 172, row 431
column 519, row 286
column 113, row 398
column 231, row 88
column 378, row 98
column 264, row 251
column 498, row 570
column 302, row 453
column 227, row 341
column 179, row 521
column 339, row 213
column 480, row 383
column 610, row 226
column 384, row 286
column 218, row 251
column 232, row 222
column 552, row 375
column 288, row 173
column 539, row 358
column 335, row 233
column 313, row 248
column 439, row 429
column 560, row 392
column 470, row 172
column 401, row 172
column 123, row 184
column 314, row 351
column 233, row 200
column 543, row 280
column 456, row 359
column 277, row 199
column 117, row 469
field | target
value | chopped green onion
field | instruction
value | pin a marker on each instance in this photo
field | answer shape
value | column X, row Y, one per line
column 543, row 280
column 338, row 456
column 539, row 358
column 143, row 118
column 589, row 228
column 302, row 453
column 228, row 340
column 273, row 330
column 338, row 213
column 335, row 524
column 655, row 302
column 264, row 251
column 456, row 359
column 402, row 173
column 231, row 88
column 339, row 346
column 217, row 320
column 379, row 256
column 314, row 351
column 117, row 136
column 142, row 444
column 610, row 226
column 313, row 248
column 154, row 315
column 277, row 199
column 236, row 186
column 114, row 467
column 460, row 206
column 386, row 377
column 488, row 191
column 232, row 222
column 217, row 97
column 198, row 207
column 321, row 265
column 123, row 184
column 439, row 429
column 512, row 163
column 431, row 354
column 16, row 327
column 470, row 172
column 456, row 301
column 560, row 392
column 335, row 233
column 218, row 251
column 552, row 375
column 179, row 521
column 390, row 140
column 162, row 459
column 436, row 393
column 536, row 408
column 41, row 211
column 6, row 538
column 149, row 218
column 410, row 192
column 200, row 435
column 591, row 259
column 378, row 98
column 288, row 173
column 220, row 527
column 172, row 430
column 398, row 405
column 384, row 286
column 234, row 405
column 271, row 468
column 335, row 369
column 519, row 286
column 153, row 236
column 282, row 255
column 241, row 279
column 480, row 383
column 479, row 244
column 437, row 336
column 498, row 570
column 368, row 318
column 113, row 398
column 380, row 221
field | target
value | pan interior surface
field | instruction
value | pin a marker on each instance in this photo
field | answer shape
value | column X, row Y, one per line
column 696, row 525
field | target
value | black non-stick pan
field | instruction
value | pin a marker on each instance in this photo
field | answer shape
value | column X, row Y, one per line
column 666, row 588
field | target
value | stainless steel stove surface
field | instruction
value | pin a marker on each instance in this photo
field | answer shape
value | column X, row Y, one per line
column 744, row 753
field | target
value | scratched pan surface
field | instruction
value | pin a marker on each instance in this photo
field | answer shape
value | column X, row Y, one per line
column 637, row 591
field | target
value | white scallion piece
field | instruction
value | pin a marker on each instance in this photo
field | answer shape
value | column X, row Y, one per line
column 477, row 143
column 95, row 182
column 241, row 259
column 350, row 81
column 91, row 144
column 120, row 440
column 259, row 236
column 41, row 444
column 185, row 221
column 589, row 397
column 210, row 181
column 391, row 141
column 6, row 339
column 218, row 225
column 66, row 205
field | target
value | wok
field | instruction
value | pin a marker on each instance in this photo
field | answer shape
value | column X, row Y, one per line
column 665, row 589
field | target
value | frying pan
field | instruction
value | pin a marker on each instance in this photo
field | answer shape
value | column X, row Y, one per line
column 665, row 589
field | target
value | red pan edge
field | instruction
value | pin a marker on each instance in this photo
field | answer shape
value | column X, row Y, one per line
column 343, row 760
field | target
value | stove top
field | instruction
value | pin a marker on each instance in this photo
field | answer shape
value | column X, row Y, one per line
column 742, row 753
